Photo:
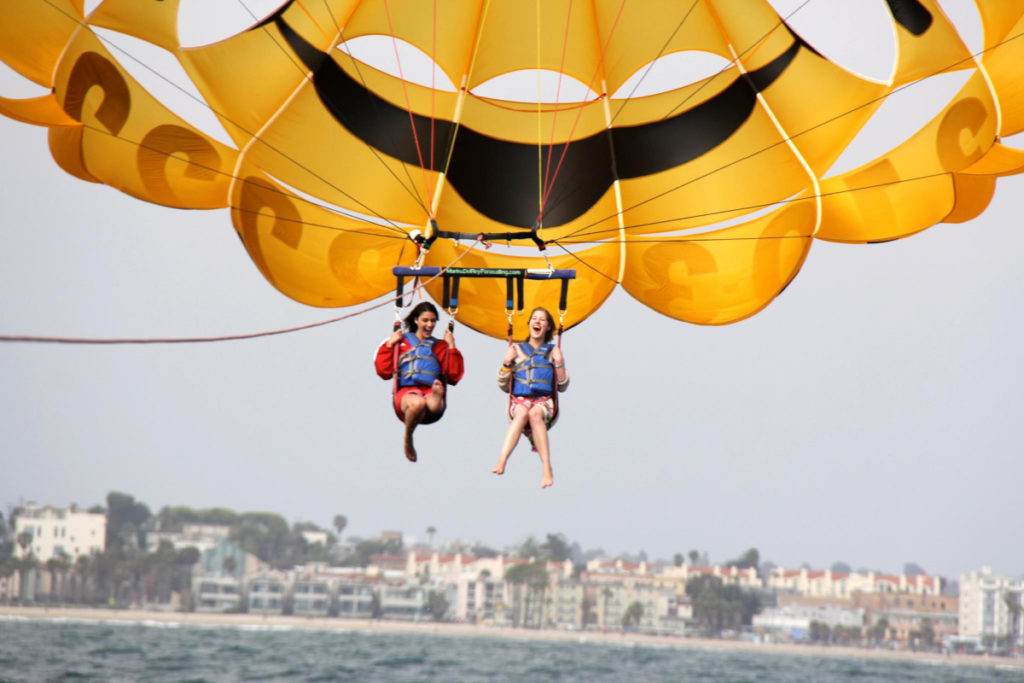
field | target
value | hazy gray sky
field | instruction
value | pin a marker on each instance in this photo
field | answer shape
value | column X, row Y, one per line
column 871, row 414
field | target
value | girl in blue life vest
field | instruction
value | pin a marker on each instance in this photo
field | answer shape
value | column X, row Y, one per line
column 424, row 366
column 532, row 371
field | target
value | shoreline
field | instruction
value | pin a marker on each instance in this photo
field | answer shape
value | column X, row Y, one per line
column 140, row 616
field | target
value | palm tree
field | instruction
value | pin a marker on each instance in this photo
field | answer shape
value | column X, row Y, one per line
column 340, row 522
column 1014, row 608
column 430, row 535
column 633, row 614
column 605, row 594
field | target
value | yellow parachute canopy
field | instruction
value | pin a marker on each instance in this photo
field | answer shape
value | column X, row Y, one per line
column 701, row 200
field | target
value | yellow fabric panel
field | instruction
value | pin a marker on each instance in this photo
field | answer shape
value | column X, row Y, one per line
column 41, row 111
column 153, row 22
column 246, row 78
column 131, row 141
column 448, row 38
column 971, row 194
column 306, row 148
column 823, row 124
column 903, row 192
column 1000, row 19
column 753, row 28
column 749, row 171
column 33, row 35
column 520, row 122
column 66, row 149
column 937, row 50
column 310, row 254
column 482, row 300
column 652, row 29
column 1000, row 160
column 1004, row 60
column 722, row 276
column 511, row 30
column 403, row 94
column 640, row 110
column 454, row 214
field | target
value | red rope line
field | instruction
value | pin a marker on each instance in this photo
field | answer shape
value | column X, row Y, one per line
column 579, row 112
column 554, row 116
column 408, row 103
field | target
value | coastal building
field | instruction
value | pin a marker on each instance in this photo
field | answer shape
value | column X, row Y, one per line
column 266, row 593
column 355, row 598
column 992, row 610
column 217, row 593
column 56, row 532
column 202, row 537
column 912, row 618
column 311, row 596
column 793, row 621
column 826, row 583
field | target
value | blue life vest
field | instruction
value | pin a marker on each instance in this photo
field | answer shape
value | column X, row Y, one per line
column 536, row 375
column 418, row 365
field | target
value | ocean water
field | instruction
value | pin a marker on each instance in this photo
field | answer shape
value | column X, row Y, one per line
column 35, row 650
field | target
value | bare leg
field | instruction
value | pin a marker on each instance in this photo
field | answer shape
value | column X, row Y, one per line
column 540, row 440
column 515, row 430
column 413, row 407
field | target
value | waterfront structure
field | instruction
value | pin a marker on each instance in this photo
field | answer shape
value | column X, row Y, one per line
column 265, row 593
column 57, row 532
column 992, row 610
column 202, row 537
column 311, row 596
column 793, row 621
column 826, row 583
column 217, row 594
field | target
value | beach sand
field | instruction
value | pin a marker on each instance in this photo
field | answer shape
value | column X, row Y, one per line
column 363, row 625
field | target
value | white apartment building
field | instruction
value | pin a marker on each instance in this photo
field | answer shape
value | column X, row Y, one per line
column 817, row 583
column 986, row 615
column 60, row 531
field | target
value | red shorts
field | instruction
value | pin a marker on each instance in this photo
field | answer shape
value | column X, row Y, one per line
column 425, row 392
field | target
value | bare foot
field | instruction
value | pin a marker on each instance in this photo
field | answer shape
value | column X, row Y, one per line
column 499, row 468
column 410, row 450
column 547, row 480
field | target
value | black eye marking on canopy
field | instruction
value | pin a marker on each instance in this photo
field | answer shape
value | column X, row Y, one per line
column 494, row 175
column 911, row 15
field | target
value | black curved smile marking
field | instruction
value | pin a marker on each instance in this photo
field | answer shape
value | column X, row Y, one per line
column 493, row 175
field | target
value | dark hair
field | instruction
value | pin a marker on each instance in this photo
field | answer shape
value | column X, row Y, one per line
column 421, row 307
column 551, row 325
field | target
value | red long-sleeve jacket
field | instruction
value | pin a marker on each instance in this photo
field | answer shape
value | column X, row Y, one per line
column 452, row 365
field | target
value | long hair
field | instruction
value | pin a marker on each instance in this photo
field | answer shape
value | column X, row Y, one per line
column 551, row 325
column 410, row 320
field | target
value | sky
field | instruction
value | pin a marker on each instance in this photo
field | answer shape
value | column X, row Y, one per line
column 869, row 415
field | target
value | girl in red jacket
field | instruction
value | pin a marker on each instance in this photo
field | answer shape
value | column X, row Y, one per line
column 424, row 366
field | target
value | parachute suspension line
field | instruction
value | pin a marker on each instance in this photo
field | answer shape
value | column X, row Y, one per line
column 408, row 105
column 554, row 118
column 540, row 116
column 463, row 89
column 650, row 66
column 735, row 60
column 598, row 69
column 340, row 31
column 815, row 181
